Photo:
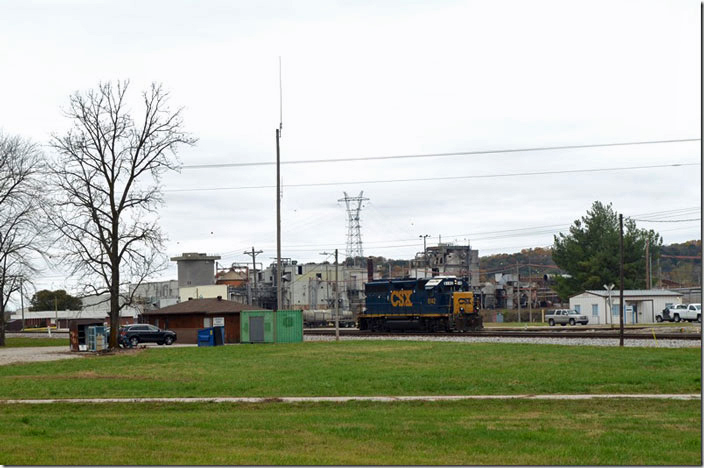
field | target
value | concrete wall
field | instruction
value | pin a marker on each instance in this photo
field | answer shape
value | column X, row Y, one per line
column 196, row 273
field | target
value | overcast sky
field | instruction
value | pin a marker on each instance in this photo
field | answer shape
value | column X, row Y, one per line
column 383, row 78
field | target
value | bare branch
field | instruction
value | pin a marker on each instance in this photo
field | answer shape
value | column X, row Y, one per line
column 107, row 188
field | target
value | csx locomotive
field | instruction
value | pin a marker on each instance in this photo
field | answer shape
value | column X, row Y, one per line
column 443, row 303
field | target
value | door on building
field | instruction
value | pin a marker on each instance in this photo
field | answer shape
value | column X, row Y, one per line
column 256, row 329
column 635, row 314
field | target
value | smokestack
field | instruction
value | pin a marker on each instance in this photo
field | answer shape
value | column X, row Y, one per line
column 370, row 269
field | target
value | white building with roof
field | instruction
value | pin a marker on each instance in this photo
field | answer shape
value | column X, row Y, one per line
column 641, row 305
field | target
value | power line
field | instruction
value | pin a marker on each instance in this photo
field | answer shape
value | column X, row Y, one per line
column 667, row 220
column 485, row 176
column 439, row 155
column 476, row 235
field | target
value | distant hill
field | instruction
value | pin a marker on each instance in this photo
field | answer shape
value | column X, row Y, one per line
column 681, row 271
column 537, row 262
column 675, row 272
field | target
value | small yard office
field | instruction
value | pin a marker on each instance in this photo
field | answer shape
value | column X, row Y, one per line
column 186, row 318
column 242, row 322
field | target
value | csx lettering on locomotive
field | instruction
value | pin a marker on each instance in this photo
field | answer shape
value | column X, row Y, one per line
column 401, row 298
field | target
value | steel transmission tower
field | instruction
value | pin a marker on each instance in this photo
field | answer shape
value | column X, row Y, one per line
column 354, row 232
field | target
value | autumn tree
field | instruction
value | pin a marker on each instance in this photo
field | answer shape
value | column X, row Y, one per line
column 590, row 252
column 107, row 178
column 21, row 230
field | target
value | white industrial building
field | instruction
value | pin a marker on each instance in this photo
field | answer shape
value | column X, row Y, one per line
column 641, row 305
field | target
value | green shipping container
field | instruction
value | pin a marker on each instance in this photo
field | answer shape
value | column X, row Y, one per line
column 257, row 326
column 289, row 326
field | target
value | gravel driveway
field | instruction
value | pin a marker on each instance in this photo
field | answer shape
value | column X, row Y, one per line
column 36, row 354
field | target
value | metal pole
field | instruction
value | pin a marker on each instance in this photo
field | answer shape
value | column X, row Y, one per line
column 278, row 225
column 468, row 254
column 254, row 254
column 621, row 305
column 425, row 255
column 337, row 303
column 518, row 284
column 530, row 297
column 647, row 263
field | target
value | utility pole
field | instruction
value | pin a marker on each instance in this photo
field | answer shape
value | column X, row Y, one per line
column 336, row 297
column 279, row 276
column 621, row 304
column 425, row 254
column 278, row 223
column 530, row 297
column 337, row 302
column 518, row 285
column 647, row 263
column 254, row 254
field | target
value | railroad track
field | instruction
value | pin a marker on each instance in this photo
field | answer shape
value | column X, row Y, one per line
column 557, row 333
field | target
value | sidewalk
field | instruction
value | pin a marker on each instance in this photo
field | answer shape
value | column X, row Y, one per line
column 342, row 399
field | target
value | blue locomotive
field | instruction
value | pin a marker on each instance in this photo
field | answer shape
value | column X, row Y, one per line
column 443, row 303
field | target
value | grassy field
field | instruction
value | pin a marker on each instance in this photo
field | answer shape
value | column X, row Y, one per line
column 359, row 368
column 605, row 432
column 30, row 342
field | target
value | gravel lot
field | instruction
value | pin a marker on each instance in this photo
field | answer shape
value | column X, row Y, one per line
column 40, row 353
column 557, row 341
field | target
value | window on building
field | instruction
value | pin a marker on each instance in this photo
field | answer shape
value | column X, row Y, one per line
column 207, row 322
column 299, row 269
column 614, row 309
column 595, row 310
column 578, row 308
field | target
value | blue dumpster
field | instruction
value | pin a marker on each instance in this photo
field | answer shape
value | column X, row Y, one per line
column 206, row 337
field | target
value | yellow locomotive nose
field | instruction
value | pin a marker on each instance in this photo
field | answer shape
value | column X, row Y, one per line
column 462, row 302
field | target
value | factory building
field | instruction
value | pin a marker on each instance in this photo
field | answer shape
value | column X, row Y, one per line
column 312, row 286
column 447, row 259
column 195, row 269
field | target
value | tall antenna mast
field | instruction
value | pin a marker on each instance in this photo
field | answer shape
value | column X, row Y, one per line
column 279, row 275
column 281, row 101
column 354, row 231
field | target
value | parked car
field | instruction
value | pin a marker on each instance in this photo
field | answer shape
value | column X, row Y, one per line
column 132, row 335
column 679, row 312
column 566, row 316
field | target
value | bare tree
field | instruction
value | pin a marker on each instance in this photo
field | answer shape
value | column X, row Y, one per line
column 21, row 230
column 108, row 189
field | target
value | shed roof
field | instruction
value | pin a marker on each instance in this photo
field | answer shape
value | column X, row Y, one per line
column 202, row 306
column 631, row 292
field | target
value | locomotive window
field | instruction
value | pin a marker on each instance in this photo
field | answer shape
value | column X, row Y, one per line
column 376, row 288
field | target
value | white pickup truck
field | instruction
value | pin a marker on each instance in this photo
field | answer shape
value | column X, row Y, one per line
column 679, row 312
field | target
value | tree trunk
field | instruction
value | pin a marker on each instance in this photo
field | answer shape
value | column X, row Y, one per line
column 115, row 306
column 2, row 323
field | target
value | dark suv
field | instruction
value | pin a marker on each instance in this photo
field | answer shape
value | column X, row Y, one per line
column 132, row 335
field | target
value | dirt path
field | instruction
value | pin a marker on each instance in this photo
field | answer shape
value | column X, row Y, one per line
column 342, row 399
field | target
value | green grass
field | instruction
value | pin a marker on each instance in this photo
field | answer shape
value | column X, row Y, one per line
column 360, row 368
column 606, row 432
column 31, row 342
